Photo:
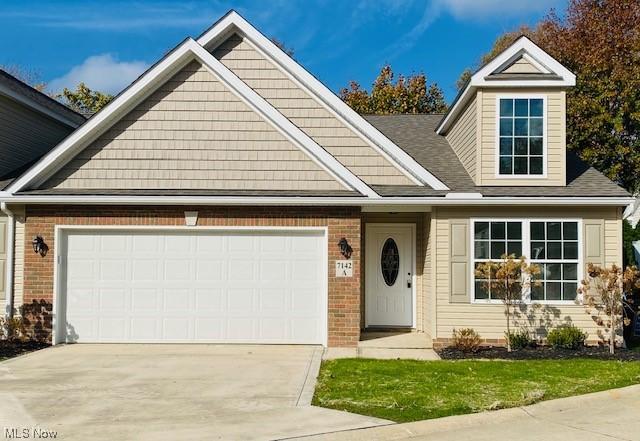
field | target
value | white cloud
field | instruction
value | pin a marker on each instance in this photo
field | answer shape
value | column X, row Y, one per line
column 484, row 9
column 100, row 72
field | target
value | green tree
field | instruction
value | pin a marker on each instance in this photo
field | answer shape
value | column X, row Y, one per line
column 599, row 41
column 84, row 100
column 405, row 95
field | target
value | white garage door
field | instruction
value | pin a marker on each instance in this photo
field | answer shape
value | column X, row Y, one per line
column 204, row 286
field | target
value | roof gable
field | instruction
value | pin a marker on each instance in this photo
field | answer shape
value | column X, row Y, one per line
column 147, row 84
column 192, row 133
column 232, row 23
column 523, row 64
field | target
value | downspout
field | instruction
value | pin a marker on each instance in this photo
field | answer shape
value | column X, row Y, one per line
column 10, row 248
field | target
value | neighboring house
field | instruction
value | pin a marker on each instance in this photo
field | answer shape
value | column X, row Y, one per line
column 228, row 196
column 31, row 124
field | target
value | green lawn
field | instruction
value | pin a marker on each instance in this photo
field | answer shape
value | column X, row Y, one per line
column 406, row 390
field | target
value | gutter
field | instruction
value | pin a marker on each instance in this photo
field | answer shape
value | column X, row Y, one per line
column 10, row 258
column 460, row 199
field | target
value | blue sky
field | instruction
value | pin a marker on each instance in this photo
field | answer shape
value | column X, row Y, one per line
column 107, row 43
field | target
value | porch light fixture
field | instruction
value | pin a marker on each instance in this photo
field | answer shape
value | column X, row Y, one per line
column 345, row 248
column 39, row 246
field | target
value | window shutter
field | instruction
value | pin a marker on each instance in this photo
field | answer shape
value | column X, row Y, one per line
column 594, row 241
column 3, row 256
column 459, row 261
column 593, row 249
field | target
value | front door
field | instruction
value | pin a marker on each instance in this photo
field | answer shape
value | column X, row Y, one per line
column 389, row 274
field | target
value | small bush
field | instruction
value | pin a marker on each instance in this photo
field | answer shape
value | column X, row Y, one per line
column 520, row 339
column 466, row 340
column 567, row 337
column 13, row 329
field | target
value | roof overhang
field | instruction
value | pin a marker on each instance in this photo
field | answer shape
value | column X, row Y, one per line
column 460, row 200
column 552, row 74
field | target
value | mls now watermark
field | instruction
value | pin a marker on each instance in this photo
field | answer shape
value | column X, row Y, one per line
column 29, row 433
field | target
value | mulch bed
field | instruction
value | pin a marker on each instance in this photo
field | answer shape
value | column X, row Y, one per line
column 539, row 353
column 9, row 349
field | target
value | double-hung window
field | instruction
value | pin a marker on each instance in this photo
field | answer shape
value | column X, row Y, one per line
column 552, row 245
column 521, row 137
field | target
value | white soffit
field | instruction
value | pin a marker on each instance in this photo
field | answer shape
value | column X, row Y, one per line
column 233, row 22
column 522, row 47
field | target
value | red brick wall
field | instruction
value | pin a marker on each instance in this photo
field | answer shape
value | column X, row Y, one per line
column 344, row 293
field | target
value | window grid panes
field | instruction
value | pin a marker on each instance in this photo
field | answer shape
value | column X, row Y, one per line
column 491, row 240
column 554, row 248
column 520, row 140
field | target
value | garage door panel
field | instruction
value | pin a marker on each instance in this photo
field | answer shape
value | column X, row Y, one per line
column 215, row 286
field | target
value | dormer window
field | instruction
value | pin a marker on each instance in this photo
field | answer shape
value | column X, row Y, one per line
column 521, row 136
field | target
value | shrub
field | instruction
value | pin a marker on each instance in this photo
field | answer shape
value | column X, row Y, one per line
column 519, row 339
column 13, row 329
column 566, row 336
column 466, row 340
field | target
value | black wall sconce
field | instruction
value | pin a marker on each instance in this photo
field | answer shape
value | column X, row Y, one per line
column 39, row 246
column 345, row 248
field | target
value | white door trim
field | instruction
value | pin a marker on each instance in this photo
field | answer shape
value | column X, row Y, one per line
column 414, row 279
column 60, row 230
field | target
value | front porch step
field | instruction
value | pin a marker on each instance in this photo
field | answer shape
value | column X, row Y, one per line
column 380, row 353
column 395, row 340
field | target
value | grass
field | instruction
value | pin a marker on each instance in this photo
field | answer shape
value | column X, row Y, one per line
column 407, row 390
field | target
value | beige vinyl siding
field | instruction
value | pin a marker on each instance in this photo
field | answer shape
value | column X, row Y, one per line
column 489, row 319
column 3, row 261
column 418, row 219
column 20, row 243
column 26, row 134
column 462, row 137
column 556, row 138
column 193, row 133
column 307, row 113
column 521, row 66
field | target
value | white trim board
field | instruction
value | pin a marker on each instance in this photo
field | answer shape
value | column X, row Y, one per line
column 186, row 52
column 314, row 201
column 521, row 47
column 234, row 21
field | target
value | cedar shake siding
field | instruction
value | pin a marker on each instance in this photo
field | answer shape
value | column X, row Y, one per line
column 193, row 133
column 307, row 113
column 344, row 293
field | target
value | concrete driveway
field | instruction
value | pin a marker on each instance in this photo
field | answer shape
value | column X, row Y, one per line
column 168, row 392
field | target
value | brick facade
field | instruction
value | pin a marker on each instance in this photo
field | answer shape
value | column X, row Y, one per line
column 344, row 293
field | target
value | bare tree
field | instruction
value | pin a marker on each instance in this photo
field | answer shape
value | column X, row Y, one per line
column 605, row 296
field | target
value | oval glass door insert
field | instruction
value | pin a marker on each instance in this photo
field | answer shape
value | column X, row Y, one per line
column 390, row 261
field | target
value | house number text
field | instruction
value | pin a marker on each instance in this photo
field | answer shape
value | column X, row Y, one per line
column 344, row 268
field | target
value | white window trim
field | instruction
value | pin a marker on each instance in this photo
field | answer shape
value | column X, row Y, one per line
column 526, row 246
column 545, row 156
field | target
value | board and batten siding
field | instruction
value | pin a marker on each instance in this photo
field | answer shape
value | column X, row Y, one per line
column 601, row 238
column 26, row 134
column 193, row 133
column 555, row 136
column 307, row 113
column 462, row 137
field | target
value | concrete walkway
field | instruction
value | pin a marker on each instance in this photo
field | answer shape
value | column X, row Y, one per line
column 609, row 415
column 152, row 392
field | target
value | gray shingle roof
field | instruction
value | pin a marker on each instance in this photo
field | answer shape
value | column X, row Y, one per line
column 416, row 135
column 20, row 88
